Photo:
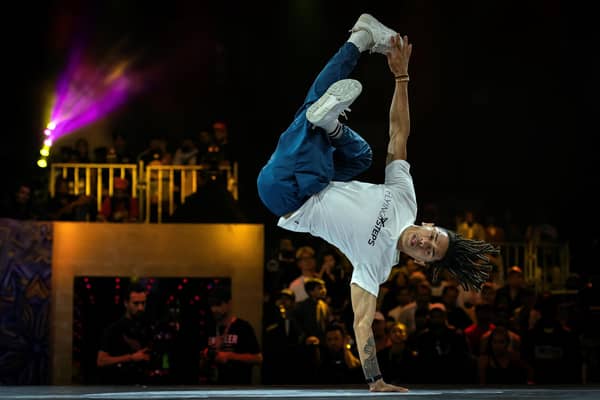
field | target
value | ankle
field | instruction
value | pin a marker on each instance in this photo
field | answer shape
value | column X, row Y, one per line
column 337, row 132
column 362, row 39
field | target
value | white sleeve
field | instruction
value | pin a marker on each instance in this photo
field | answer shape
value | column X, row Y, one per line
column 397, row 173
column 398, row 179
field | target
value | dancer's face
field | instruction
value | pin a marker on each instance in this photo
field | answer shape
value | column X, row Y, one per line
column 424, row 243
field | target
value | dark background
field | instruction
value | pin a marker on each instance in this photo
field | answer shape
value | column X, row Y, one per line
column 503, row 93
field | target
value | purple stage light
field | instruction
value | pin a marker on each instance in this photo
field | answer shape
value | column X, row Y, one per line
column 87, row 93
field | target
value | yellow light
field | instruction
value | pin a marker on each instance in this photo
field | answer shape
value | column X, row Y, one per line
column 51, row 125
column 45, row 151
column 42, row 163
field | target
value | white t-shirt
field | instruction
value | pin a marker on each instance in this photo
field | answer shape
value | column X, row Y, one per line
column 363, row 220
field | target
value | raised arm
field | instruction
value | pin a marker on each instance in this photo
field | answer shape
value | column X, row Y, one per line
column 398, row 59
column 363, row 305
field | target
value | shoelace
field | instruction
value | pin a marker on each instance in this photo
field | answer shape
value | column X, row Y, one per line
column 343, row 113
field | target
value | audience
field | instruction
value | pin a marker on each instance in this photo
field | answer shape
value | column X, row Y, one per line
column 425, row 332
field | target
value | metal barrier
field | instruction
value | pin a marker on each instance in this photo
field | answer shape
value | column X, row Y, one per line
column 546, row 265
column 152, row 184
column 87, row 175
column 167, row 186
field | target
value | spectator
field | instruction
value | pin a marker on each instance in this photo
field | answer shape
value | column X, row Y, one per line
column 470, row 228
column 457, row 316
column 307, row 263
column 281, row 340
column 124, row 354
column 484, row 314
column 20, row 204
column 232, row 349
column 334, row 363
column 552, row 350
column 67, row 207
column 119, row 152
column 121, row 207
column 313, row 314
column 396, row 360
column 443, row 353
column 510, row 296
column 499, row 365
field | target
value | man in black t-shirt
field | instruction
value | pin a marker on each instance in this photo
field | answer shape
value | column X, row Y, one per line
column 124, row 355
column 232, row 349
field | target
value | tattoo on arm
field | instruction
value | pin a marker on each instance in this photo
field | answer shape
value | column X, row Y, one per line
column 370, row 366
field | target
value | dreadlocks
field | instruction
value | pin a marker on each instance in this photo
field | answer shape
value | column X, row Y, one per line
column 466, row 260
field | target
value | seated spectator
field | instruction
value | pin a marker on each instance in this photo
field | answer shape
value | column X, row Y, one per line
column 501, row 320
column 221, row 140
column 119, row 152
column 484, row 314
column 380, row 331
column 396, row 361
column 553, row 351
column 457, row 316
column 68, row 207
column 509, row 296
column 442, row 352
column 498, row 364
column 121, row 207
column 186, row 153
column 333, row 363
column 81, row 153
column 19, row 205
column 404, row 296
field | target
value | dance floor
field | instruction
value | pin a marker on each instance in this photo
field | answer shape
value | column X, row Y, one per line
column 262, row 392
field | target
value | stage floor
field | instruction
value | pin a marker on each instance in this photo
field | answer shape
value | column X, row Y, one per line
column 174, row 393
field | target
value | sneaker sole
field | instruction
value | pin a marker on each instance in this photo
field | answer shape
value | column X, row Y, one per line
column 336, row 99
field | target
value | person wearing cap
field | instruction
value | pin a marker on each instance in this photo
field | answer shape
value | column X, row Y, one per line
column 309, row 183
column 121, row 206
column 510, row 296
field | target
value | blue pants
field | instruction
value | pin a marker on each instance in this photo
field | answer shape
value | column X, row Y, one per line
column 306, row 159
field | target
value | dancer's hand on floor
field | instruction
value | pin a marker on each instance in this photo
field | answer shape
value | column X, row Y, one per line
column 381, row 386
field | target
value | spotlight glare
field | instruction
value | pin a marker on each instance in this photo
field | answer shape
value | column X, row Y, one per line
column 51, row 125
column 42, row 163
column 47, row 132
column 48, row 142
column 45, row 151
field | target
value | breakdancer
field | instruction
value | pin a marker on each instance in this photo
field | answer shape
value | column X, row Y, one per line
column 308, row 182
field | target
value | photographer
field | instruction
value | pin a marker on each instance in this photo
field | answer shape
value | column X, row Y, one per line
column 232, row 349
column 124, row 355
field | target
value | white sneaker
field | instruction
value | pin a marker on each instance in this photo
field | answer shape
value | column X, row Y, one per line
column 380, row 33
column 338, row 97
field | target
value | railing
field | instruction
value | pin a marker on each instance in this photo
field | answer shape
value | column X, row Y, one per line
column 163, row 183
column 546, row 265
column 84, row 176
column 165, row 186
